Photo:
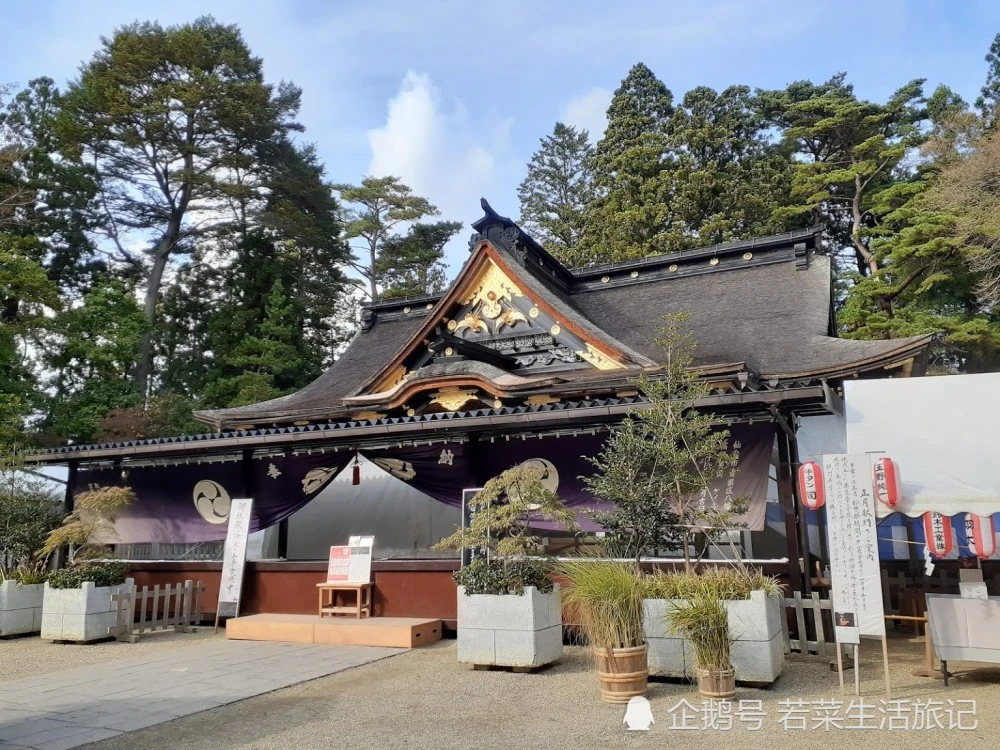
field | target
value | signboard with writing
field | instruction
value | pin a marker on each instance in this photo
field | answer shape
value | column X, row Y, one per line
column 234, row 558
column 854, row 564
column 351, row 563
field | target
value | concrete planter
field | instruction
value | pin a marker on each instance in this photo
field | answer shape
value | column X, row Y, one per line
column 758, row 651
column 83, row 614
column 20, row 608
column 509, row 630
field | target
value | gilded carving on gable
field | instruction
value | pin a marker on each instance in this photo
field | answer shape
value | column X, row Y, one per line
column 599, row 359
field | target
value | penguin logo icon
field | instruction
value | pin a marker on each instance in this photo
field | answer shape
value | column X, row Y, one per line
column 638, row 715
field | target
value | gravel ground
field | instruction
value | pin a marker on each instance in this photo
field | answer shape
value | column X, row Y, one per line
column 24, row 657
column 425, row 699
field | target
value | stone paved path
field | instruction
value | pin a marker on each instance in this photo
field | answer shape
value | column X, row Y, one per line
column 71, row 707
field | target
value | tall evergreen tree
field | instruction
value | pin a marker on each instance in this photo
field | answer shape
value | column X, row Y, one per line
column 556, row 191
column 629, row 216
column 266, row 362
column 989, row 97
column 380, row 206
column 173, row 121
column 413, row 264
column 728, row 179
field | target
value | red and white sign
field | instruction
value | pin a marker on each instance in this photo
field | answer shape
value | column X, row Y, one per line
column 888, row 487
column 937, row 532
column 811, row 489
column 981, row 534
column 340, row 563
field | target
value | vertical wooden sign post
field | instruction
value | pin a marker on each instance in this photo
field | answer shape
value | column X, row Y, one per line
column 856, row 578
column 234, row 560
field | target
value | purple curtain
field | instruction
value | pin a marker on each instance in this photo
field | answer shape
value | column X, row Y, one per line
column 441, row 470
column 190, row 502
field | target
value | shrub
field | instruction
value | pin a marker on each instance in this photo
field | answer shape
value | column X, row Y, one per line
column 103, row 574
column 704, row 621
column 512, row 577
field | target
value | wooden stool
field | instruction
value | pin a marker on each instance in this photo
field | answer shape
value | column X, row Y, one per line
column 362, row 599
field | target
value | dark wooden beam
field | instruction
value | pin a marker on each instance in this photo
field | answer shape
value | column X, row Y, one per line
column 786, row 495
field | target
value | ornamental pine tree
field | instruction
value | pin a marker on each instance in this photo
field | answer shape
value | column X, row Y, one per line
column 413, row 264
column 556, row 191
column 658, row 466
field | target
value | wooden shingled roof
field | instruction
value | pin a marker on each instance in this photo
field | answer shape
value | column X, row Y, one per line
column 759, row 307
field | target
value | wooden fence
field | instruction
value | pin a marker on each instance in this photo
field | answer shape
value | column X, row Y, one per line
column 174, row 606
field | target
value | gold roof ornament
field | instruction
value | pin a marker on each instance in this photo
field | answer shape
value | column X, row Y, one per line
column 453, row 399
column 364, row 416
column 542, row 399
column 599, row 359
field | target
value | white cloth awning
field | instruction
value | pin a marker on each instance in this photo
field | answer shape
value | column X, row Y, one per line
column 941, row 431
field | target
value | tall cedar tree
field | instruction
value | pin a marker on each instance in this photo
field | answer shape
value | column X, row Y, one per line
column 728, row 179
column 556, row 191
column 629, row 216
column 380, row 205
column 266, row 362
column 989, row 97
column 662, row 460
column 413, row 264
column 173, row 121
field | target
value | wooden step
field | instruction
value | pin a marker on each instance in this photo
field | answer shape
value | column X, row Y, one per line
column 392, row 632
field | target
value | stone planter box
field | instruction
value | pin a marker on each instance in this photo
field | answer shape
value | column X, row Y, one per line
column 758, row 650
column 509, row 630
column 20, row 608
column 82, row 614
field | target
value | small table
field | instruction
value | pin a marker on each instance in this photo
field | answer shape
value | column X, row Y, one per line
column 362, row 598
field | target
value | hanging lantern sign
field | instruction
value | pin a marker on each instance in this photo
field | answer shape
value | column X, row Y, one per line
column 811, row 489
column 981, row 535
column 888, row 488
column 937, row 533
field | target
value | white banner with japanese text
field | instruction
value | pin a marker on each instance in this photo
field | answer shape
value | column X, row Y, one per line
column 854, row 564
column 234, row 557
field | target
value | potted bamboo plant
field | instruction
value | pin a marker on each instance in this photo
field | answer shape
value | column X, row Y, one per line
column 606, row 599
column 77, row 603
column 703, row 620
column 508, row 606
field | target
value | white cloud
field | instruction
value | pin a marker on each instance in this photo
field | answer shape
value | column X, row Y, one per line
column 589, row 112
column 444, row 152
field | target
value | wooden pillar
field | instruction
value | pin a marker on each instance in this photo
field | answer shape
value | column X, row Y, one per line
column 786, row 494
column 803, row 522
column 283, row 539
column 70, row 488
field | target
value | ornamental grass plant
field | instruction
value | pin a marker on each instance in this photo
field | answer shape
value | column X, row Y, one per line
column 724, row 583
column 606, row 598
column 704, row 621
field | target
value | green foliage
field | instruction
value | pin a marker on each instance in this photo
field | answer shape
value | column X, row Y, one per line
column 661, row 461
column 503, row 577
column 606, row 598
column 101, row 574
column 556, row 191
column 382, row 204
column 989, row 97
column 628, row 217
column 502, row 513
column 29, row 511
column 413, row 264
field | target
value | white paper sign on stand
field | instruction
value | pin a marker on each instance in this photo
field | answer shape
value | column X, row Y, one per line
column 351, row 563
column 855, row 574
column 234, row 559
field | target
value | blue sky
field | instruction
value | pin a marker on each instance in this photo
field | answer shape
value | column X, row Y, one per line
column 453, row 96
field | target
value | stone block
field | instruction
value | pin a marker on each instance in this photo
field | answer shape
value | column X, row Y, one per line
column 82, row 614
column 20, row 608
column 509, row 630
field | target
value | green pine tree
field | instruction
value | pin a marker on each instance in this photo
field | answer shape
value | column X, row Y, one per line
column 989, row 97
column 556, row 191
column 412, row 264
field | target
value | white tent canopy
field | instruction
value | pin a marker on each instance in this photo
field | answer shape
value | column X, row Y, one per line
column 942, row 432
